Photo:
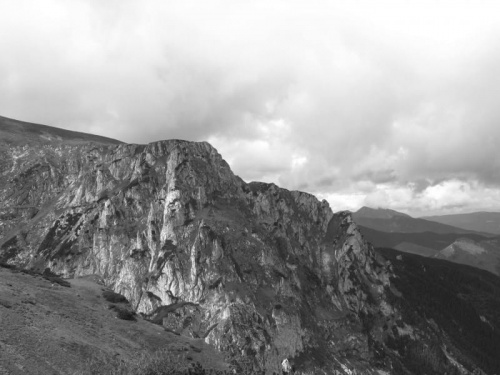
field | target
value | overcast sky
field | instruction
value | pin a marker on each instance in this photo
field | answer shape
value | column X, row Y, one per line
column 381, row 103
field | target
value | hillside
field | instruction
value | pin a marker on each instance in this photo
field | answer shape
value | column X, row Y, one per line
column 461, row 300
column 48, row 328
column 484, row 254
column 474, row 249
column 20, row 133
column 426, row 243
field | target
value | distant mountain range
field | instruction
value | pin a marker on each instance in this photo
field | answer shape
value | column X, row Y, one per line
column 424, row 243
column 477, row 221
column 391, row 229
column 392, row 221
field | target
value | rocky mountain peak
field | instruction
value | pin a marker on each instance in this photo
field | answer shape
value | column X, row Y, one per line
column 262, row 273
column 378, row 213
column 169, row 224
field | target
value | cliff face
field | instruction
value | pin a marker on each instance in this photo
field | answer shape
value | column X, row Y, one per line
column 260, row 272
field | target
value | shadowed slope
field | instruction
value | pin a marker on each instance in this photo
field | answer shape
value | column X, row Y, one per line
column 462, row 301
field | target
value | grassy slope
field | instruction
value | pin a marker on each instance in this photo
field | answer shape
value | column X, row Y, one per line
column 20, row 133
column 46, row 328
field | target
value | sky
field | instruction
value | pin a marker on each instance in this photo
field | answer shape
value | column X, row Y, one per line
column 392, row 104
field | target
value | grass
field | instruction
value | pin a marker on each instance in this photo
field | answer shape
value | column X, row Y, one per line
column 47, row 274
column 161, row 362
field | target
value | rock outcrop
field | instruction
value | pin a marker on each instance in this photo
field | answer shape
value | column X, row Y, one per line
column 262, row 273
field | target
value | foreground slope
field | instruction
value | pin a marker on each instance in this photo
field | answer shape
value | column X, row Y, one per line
column 261, row 273
column 47, row 328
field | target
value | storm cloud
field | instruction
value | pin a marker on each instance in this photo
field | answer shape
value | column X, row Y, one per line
column 388, row 103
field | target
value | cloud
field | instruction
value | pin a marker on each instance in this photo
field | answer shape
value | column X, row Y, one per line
column 359, row 102
column 452, row 196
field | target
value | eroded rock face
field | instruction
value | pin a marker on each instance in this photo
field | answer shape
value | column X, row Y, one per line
column 260, row 272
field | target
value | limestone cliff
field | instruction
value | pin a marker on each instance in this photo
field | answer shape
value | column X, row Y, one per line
column 262, row 273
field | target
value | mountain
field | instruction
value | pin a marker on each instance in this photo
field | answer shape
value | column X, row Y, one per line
column 484, row 254
column 471, row 248
column 271, row 278
column 392, row 221
column 21, row 133
column 385, row 220
column 378, row 213
column 477, row 221
column 424, row 243
column 462, row 301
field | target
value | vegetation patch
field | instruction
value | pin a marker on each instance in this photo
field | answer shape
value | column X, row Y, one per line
column 9, row 249
column 215, row 284
column 8, row 266
column 113, row 297
column 153, row 296
column 123, row 313
column 30, row 171
column 58, row 280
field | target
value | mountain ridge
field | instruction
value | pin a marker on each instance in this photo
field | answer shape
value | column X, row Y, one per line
column 388, row 221
column 378, row 213
column 483, row 221
column 17, row 132
column 432, row 240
